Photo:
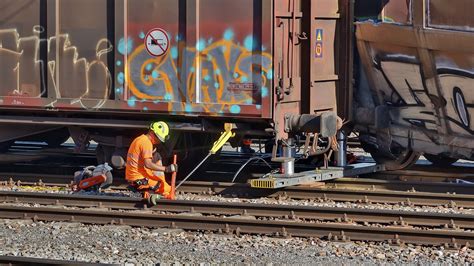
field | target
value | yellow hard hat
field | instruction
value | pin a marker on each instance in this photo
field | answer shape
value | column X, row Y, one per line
column 161, row 130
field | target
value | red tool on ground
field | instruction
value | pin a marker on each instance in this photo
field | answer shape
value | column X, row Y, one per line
column 93, row 178
column 91, row 182
column 173, row 179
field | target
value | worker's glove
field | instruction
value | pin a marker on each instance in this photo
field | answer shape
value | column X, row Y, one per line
column 171, row 168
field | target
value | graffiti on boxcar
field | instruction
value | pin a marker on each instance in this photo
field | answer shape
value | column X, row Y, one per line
column 20, row 69
column 227, row 74
column 23, row 73
column 418, row 107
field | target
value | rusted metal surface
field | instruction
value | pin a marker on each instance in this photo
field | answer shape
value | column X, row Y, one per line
column 417, row 56
column 88, row 65
column 220, row 58
column 306, row 58
column 333, row 231
column 96, row 56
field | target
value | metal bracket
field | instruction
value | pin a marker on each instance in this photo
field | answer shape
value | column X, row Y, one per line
column 275, row 181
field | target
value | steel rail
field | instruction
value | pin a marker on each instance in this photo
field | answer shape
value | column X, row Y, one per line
column 332, row 231
column 339, row 195
column 432, row 174
column 13, row 260
column 344, row 190
column 347, row 215
column 396, row 185
column 346, row 183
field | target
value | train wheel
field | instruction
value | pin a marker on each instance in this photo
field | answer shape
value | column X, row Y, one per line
column 402, row 159
column 440, row 160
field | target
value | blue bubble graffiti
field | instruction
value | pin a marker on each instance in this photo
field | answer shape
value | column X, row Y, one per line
column 174, row 52
column 121, row 78
column 264, row 92
column 250, row 43
column 132, row 101
column 270, row 74
column 201, row 45
column 235, row 109
column 125, row 48
column 229, row 35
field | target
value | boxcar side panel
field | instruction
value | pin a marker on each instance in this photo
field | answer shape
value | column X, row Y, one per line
column 91, row 55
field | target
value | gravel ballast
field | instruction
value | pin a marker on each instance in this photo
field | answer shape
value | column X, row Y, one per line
column 124, row 244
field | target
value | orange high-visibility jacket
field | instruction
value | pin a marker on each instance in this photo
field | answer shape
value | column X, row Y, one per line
column 141, row 149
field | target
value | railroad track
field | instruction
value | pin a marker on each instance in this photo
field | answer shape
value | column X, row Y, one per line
column 369, row 195
column 12, row 260
column 427, row 173
column 450, row 230
column 343, row 190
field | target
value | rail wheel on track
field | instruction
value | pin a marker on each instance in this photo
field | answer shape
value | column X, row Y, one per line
column 400, row 157
column 403, row 159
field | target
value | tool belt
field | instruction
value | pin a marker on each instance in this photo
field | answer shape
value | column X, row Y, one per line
column 142, row 184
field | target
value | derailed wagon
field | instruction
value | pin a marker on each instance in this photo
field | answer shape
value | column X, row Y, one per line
column 415, row 93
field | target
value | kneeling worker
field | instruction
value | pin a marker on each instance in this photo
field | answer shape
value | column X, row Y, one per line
column 144, row 171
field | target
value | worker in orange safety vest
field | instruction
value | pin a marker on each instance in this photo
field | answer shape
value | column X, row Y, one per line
column 144, row 171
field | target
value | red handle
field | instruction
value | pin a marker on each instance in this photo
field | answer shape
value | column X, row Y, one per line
column 173, row 179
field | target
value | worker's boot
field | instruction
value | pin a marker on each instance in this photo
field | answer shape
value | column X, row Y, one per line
column 153, row 199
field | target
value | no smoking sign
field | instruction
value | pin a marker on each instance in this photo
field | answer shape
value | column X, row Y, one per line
column 157, row 42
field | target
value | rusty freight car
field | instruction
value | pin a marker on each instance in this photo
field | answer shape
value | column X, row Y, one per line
column 103, row 69
column 416, row 89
